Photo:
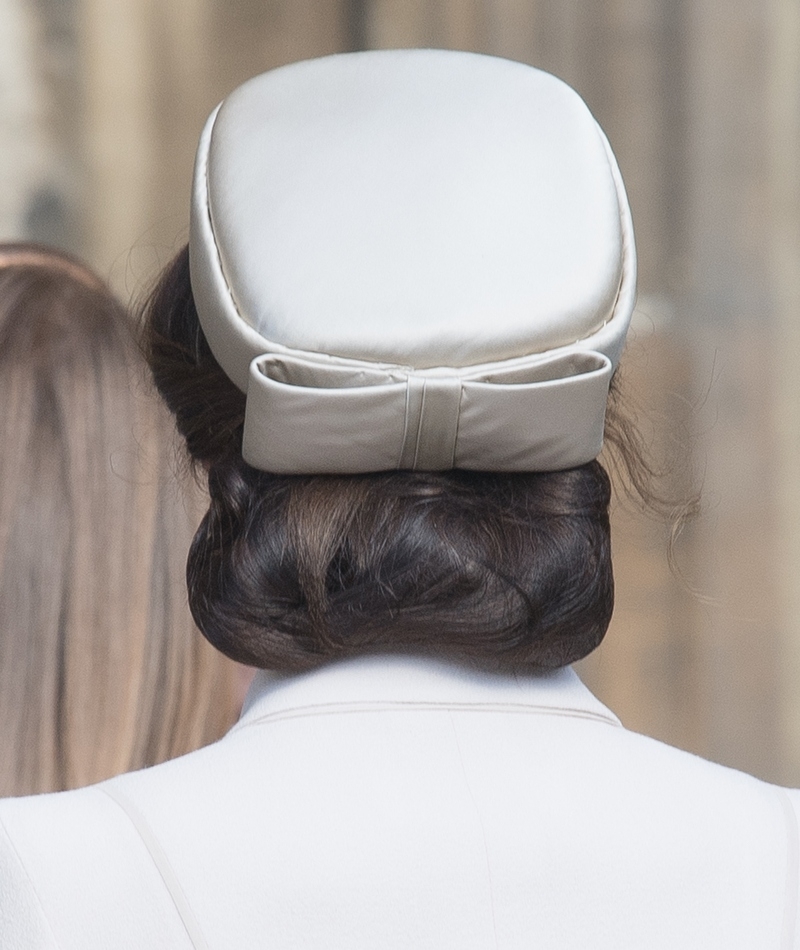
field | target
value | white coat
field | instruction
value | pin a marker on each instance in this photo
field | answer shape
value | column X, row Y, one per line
column 394, row 802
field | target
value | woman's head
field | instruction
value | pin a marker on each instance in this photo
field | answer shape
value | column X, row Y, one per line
column 506, row 570
column 390, row 343
column 100, row 668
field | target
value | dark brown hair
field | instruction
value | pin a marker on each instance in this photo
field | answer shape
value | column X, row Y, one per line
column 509, row 571
column 101, row 667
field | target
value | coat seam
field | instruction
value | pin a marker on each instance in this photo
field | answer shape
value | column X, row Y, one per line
column 481, row 825
column 162, row 865
column 327, row 709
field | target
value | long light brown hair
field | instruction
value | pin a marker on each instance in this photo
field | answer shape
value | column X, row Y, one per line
column 101, row 668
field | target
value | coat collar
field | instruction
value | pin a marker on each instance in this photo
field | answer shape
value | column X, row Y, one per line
column 378, row 682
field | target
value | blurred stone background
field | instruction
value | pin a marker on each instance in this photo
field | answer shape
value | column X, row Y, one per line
column 101, row 104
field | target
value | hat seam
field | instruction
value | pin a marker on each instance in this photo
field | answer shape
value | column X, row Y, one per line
column 281, row 348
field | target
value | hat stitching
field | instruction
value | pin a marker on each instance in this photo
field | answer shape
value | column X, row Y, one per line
column 278, row 348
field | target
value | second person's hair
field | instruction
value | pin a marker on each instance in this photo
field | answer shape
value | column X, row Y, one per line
column 101, row 668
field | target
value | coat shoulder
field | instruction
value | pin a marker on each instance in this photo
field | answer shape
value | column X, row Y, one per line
column 23, row 921
column 74, row 873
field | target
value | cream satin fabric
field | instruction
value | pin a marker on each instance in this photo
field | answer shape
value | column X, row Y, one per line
column 412, row 259
column 540, row 414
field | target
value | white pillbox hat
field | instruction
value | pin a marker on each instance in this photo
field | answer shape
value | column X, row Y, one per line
column 414, row 259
